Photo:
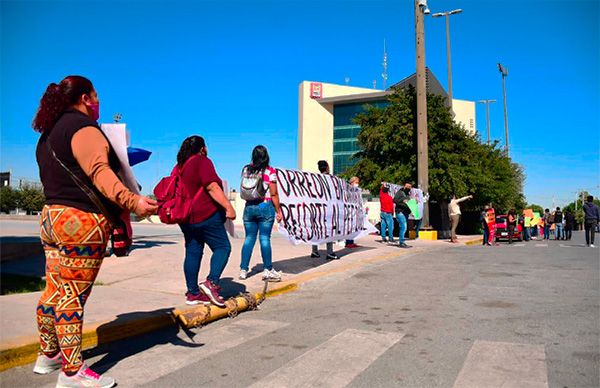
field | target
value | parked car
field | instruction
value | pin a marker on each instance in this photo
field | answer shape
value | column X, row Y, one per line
column 502, row 229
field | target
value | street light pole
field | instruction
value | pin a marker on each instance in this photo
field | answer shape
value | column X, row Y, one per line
column 422, row 136
column 504, row 72
column 487, row 115
column 447, row 15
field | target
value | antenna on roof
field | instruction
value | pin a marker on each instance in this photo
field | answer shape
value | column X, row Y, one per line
column 347, row 80
column 374, row 84
column 384, row 74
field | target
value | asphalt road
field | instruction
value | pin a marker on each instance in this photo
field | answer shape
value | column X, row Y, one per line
column 525, row 315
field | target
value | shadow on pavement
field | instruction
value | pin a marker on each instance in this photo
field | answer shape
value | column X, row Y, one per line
column 144, row 244
column 117, row 351
column 230, row 288
column 300, row 264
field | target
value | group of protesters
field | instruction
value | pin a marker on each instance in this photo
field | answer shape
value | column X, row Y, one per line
column 79, row 170
column 551, row 225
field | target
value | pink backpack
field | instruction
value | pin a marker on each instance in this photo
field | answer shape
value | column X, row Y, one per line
column 174, row 201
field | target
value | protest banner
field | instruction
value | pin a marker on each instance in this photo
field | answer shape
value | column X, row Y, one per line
column 491, row 221
column 415, row 204
column 320, row 208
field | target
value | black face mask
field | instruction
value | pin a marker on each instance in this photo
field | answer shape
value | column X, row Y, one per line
column 406, row 191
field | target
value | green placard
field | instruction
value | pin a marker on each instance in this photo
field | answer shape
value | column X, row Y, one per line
column 414, row 208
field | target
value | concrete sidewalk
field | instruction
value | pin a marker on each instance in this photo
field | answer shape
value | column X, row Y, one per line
column 138, row 293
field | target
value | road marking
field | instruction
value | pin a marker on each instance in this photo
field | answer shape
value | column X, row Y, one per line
column 519, row 245
column 334, row 363
column 541, row 245
column 164, row 359
column 504, row 364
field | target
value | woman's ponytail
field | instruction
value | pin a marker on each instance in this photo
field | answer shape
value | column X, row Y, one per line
column 53, row 103
column 57, row 98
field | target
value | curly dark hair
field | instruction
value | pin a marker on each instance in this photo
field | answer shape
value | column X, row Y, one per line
column 58, row 98
column 190, row 146
column 260, row 159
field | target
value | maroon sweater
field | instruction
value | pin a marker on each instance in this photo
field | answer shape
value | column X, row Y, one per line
column 198, row 173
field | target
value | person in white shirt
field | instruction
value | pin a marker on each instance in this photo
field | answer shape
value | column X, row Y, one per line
column 454, row 211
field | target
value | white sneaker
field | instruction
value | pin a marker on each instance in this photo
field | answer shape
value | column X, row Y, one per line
column 45, row 365
column 243, row 274
column 592, row 246
column 84, row 378
column 271, row 276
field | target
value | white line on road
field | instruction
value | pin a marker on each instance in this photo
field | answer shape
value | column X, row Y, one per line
column 334, row 363
column 165, row 359
column 504, row 364
column 541, row 245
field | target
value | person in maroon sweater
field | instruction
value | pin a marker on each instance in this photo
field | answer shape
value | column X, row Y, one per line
column 207, row 222
column 387, row 211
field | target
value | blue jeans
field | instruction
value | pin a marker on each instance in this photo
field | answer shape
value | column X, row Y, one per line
column 402, row 223
column 387, row 226
column 558, row 231
column 546, row 232
column 527, row 233
column 418, row 227
column 211, row 232
column 258, row 218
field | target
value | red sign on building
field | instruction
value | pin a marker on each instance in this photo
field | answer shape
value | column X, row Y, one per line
column 316, row 90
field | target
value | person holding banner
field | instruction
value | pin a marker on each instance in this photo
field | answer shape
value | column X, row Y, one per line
column 324, row 169
column 78, row 168
column 402, row 211
column 354, row 181
column 259, row 189
column 387, row 214
column 454, row 211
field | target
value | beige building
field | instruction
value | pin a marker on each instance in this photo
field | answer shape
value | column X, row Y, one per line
column 325, row 119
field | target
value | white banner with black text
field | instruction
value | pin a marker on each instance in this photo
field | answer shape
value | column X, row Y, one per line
column 320, row 208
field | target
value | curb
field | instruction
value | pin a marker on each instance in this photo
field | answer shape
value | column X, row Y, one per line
column 479, row 241
column 110, row 331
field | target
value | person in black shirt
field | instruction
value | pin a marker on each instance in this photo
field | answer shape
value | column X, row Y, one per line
column 558, row 226
column 569, row 224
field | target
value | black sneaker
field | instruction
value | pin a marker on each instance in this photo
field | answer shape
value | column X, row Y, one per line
column 332, row 256
column 403, row 245
column 315, row 255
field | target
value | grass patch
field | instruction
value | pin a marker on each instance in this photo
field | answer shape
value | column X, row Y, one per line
column 19, row 284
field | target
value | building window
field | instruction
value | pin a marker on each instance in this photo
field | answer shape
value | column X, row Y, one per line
column 471, row 124
column 345, row 132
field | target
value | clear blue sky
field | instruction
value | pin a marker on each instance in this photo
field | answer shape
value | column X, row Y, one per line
column 230, row 71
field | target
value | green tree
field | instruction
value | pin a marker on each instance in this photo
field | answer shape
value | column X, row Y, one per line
column 32, row 199
column 9, row 199
column 458, row 162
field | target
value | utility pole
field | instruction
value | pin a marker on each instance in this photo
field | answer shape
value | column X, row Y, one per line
column 504, row 72
column 447, row 15
column 487, row 116
column 421, row 9
column 384, row 75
